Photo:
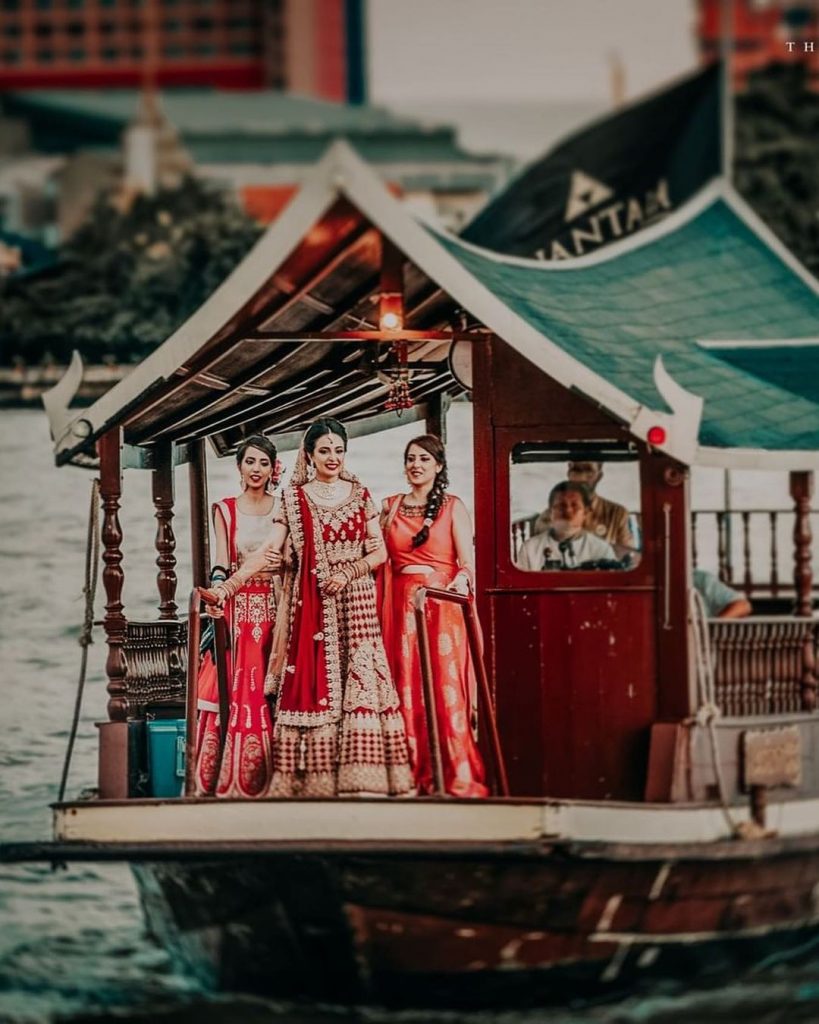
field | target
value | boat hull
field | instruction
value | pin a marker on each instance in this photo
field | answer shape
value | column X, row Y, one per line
column 498, row 925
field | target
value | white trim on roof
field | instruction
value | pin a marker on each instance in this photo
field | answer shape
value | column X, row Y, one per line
column 755, row 458
column 758, row 343
column 707, row 196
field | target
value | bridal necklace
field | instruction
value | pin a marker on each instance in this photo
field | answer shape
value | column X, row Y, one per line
column 327, row 491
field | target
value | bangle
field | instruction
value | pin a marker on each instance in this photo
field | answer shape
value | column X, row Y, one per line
column 219, row 572
column 355, row 570
column 228, row 588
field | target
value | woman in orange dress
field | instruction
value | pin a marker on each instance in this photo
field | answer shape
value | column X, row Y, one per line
column 428, row 534
column 242, row 526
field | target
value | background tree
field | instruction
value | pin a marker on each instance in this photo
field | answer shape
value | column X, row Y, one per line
column 777, row 157
column 127, row 279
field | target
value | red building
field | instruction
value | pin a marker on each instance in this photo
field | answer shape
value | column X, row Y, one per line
column 313, row 47
column 764, row 32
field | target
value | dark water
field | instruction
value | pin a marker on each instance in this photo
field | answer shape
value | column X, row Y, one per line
column 73, row 943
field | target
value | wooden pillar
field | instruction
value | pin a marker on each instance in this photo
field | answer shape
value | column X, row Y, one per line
column 163, row 494
column 802, row 492
column 801, row 487
column 113, row 577
column 200, row 535
column 113, row 745
column 437, row 408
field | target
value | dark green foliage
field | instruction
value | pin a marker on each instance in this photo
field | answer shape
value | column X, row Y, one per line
column 777, row 157
column 125, row 281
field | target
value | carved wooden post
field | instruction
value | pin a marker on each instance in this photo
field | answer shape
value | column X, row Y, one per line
column 113, row 750
column 162, row 492
column 200, row 536
column 802, row 491
column 113, row 577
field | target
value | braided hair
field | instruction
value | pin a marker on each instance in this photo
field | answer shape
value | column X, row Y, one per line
column 433, row 446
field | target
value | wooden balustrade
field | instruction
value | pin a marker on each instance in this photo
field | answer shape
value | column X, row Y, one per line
column 156, row 657
column 764, row 665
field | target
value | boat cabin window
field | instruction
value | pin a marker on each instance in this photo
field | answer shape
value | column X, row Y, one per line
column 575, row 505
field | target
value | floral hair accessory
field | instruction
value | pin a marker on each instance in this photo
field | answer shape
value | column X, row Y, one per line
column 276, row 475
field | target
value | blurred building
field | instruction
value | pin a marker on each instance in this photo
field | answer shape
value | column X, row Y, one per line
column 313, row 47
column 762, row 30
column 258, row 144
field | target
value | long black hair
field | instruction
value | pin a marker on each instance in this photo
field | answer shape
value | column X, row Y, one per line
column 433, row 446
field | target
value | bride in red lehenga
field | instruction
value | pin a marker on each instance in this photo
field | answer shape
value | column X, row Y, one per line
column 428, row 535
column 242, row 526
column 338, row 729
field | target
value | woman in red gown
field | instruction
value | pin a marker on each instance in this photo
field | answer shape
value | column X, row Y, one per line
column 242, row 526
column 428, row 535
column 337, row 725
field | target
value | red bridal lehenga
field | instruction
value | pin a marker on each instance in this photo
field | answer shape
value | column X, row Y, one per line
column 338, row 729
column 452, row 671
column 246, row 764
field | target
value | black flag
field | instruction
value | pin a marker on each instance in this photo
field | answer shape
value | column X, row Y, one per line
column 607, row 181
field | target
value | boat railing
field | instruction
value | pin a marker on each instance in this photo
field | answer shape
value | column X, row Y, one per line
column 750, row 549
column 486, row 709
column 764, row 665
column 156, row 656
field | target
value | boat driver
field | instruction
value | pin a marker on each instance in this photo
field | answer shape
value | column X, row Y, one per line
column 605, row 519
column 565, row 544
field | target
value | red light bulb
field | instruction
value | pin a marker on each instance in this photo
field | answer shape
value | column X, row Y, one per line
column 656, row 435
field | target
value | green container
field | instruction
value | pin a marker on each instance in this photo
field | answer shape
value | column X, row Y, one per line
column 166, row 756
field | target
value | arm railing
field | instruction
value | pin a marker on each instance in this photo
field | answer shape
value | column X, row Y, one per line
column 486, row 711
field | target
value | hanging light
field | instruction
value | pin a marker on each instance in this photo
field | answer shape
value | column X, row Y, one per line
column 390, row 311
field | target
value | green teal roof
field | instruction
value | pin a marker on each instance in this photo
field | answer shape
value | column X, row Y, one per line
column 712, row 277
column 796, row 369
column 241, row 126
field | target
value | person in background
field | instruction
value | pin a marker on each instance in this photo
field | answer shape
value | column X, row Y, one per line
column 605, row 519
column 721, row 602
column 428, row 534
column 242, row 525
column 566, row 544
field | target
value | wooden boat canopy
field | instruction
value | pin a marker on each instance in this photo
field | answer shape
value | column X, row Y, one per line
column 294, row 331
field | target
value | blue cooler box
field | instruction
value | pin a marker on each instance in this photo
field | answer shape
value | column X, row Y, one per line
column 166, row 756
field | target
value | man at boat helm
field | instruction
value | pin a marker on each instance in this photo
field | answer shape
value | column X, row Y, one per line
column 565, row 544
column 605, row 519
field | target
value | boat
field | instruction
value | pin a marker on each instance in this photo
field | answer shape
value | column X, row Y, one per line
column 655, row 804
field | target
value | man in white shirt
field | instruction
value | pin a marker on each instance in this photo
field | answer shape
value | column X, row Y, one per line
column 565, row 544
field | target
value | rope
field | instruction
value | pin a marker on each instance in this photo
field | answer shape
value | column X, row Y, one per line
column 92, row 563
column 709, row 711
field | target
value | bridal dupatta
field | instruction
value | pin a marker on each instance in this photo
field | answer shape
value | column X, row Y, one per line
column 338, row 729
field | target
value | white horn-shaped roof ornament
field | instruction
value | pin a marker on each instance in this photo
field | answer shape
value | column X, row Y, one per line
column 61, row 419
column 681, row 427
